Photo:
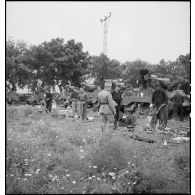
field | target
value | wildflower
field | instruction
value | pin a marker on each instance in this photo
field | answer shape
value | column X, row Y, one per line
column 82, row 157
column 93, row 176
column 62, row 188
column 94, row 167
column 27, row 174
column 98, row 178
column 111, row 174
column 74, row 182
column 89, row 166
column 135, row 156
column 37, row 171
column 11, row 175
column 25, row 179
column 129, row 163
column 49, row 155
column 113, row 177
column 89, row 177
column 81, row 150
column 33, row 160
column 50, row 175
column 104, row 180
column 66, row 170
column 67, row 175
column 126, row 171
column 134, row 183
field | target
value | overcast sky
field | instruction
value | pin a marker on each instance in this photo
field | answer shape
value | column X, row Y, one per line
column 149, row 31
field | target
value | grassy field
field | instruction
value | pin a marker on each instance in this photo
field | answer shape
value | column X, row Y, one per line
column 52, row 155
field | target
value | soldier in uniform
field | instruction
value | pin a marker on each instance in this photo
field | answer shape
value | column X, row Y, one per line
column 83, row 98
column 116, row 96
column 48, row 100
column 106, row 107
column 160, row 102
column 74, row 97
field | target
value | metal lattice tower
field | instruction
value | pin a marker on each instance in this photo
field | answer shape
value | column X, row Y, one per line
column 105, row 33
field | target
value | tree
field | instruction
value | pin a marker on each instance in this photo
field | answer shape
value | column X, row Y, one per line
column 57, row 63
column 17, row 72
column 132, row 71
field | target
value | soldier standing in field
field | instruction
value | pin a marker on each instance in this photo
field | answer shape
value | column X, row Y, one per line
column 116, row 96
column 74, row 97
column 178, row 100
column 83, row 98
column 107, row 109
column 160, row 102
column 48, row 100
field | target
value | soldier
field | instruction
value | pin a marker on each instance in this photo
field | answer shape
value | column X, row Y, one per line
column 116, row 96
column 178, row 100
column 74, row 97
column 83, row 98
column 106, row 107
column 160, row 102
column 48, row 100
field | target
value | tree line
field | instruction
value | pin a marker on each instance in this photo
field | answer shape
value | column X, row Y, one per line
column 58, row 63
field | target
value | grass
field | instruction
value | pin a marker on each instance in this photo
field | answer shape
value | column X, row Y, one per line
column 47, row 155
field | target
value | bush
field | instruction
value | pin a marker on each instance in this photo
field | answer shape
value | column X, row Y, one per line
column 111, row 153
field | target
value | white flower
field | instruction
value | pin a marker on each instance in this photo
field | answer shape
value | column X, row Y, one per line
column 113, row 177
column 111, row 174
column 50, row 175
column 25, row 179
column 67, row 175
column 81, row 150
column 66, row 170
column 74, row 182
column 89, row 177
column 49, row 155
column 129, row 163
column 28, row 174
column 98, row 178
column 37, row 171
column 94, row 167
column 93, row 176
column 126, row 171
column 134, row 183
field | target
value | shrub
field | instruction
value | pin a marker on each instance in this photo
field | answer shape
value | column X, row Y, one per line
column 111, row 153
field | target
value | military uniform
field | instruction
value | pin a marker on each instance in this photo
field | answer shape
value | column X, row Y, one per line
column 48, row 100
column 74, row 97
column 107, row 107
column 178, row 109
column 160, row 101
column 116, row 96
column 83, row 98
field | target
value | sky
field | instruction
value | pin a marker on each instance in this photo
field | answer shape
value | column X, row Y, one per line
column 149, row 31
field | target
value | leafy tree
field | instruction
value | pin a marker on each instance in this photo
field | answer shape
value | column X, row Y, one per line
column 132, row 71
column 17, row 72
